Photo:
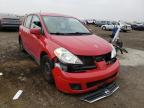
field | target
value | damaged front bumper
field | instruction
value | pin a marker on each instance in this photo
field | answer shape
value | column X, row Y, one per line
column 101, row 93
column 82, row 82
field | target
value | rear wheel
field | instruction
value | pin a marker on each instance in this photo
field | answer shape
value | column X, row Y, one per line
column 0, row 26
column 21, row 48
column 124, row 30
column 46, row 67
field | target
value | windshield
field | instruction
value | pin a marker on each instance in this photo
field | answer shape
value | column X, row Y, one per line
column 64, row 25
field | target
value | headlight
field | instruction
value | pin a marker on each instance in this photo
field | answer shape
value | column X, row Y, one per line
column 66, row 57
column 113, row 53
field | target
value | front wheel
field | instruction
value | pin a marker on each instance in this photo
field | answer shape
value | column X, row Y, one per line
column 46, row 67
column 103, row 28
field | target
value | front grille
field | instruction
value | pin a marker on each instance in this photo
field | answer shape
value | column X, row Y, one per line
column 92, row 84
column 106, row 57
column 77, row 67
column 93, row 59
column 89, row 62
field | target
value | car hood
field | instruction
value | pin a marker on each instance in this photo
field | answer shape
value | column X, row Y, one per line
column 88, row 45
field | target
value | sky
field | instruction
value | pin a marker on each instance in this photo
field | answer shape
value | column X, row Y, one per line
column 127, row 10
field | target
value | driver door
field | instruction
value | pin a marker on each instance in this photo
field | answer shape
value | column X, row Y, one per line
column 36, row 43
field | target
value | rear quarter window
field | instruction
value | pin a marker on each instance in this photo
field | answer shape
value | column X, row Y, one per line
column 24, row 21
column 28, row 21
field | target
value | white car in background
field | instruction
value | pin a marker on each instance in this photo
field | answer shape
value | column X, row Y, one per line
column 90, row 21
column 124, row 27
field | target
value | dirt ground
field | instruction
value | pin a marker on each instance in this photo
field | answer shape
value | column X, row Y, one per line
column 21, row 72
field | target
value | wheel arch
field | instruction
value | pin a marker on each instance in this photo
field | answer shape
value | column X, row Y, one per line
column 104, row 27
column 43, row 53
column 19, row 37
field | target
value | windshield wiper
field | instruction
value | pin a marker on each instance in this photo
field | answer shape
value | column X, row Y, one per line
column 75, row 33
column 58, row 33
column 80, row 33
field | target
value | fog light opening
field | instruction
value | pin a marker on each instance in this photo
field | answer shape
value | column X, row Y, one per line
column 75, row 86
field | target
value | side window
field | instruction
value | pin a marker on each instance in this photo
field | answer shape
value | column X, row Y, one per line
column 23, row 21
column 28, row 21
column 36, row 22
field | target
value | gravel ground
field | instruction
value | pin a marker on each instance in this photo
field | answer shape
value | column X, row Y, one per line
column 21, row 72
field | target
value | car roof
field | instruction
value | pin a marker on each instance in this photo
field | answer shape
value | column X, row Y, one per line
column 51, row 14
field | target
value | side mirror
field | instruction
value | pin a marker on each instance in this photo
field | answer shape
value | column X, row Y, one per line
column 35, row 31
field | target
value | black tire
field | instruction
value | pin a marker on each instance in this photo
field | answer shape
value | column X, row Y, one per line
column 103, row 28
column 124, row 30
column 0, row 27
column 46, row 68
column 21, row 48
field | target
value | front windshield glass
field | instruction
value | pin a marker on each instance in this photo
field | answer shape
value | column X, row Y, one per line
column 64, row 25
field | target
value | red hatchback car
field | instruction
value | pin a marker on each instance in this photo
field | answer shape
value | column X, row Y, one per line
column 68, row 53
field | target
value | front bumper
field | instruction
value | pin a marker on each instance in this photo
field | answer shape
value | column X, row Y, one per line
column 87, row 81
column 100, row 93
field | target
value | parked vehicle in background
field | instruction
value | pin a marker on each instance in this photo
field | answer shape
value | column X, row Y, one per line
column 110, row 26
column 138, row 26
column 90, row 21
column 9, row 21
column 100, row 23
column 21, row 18
column 68, row 53
column 124, row 27
column 84, row 21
